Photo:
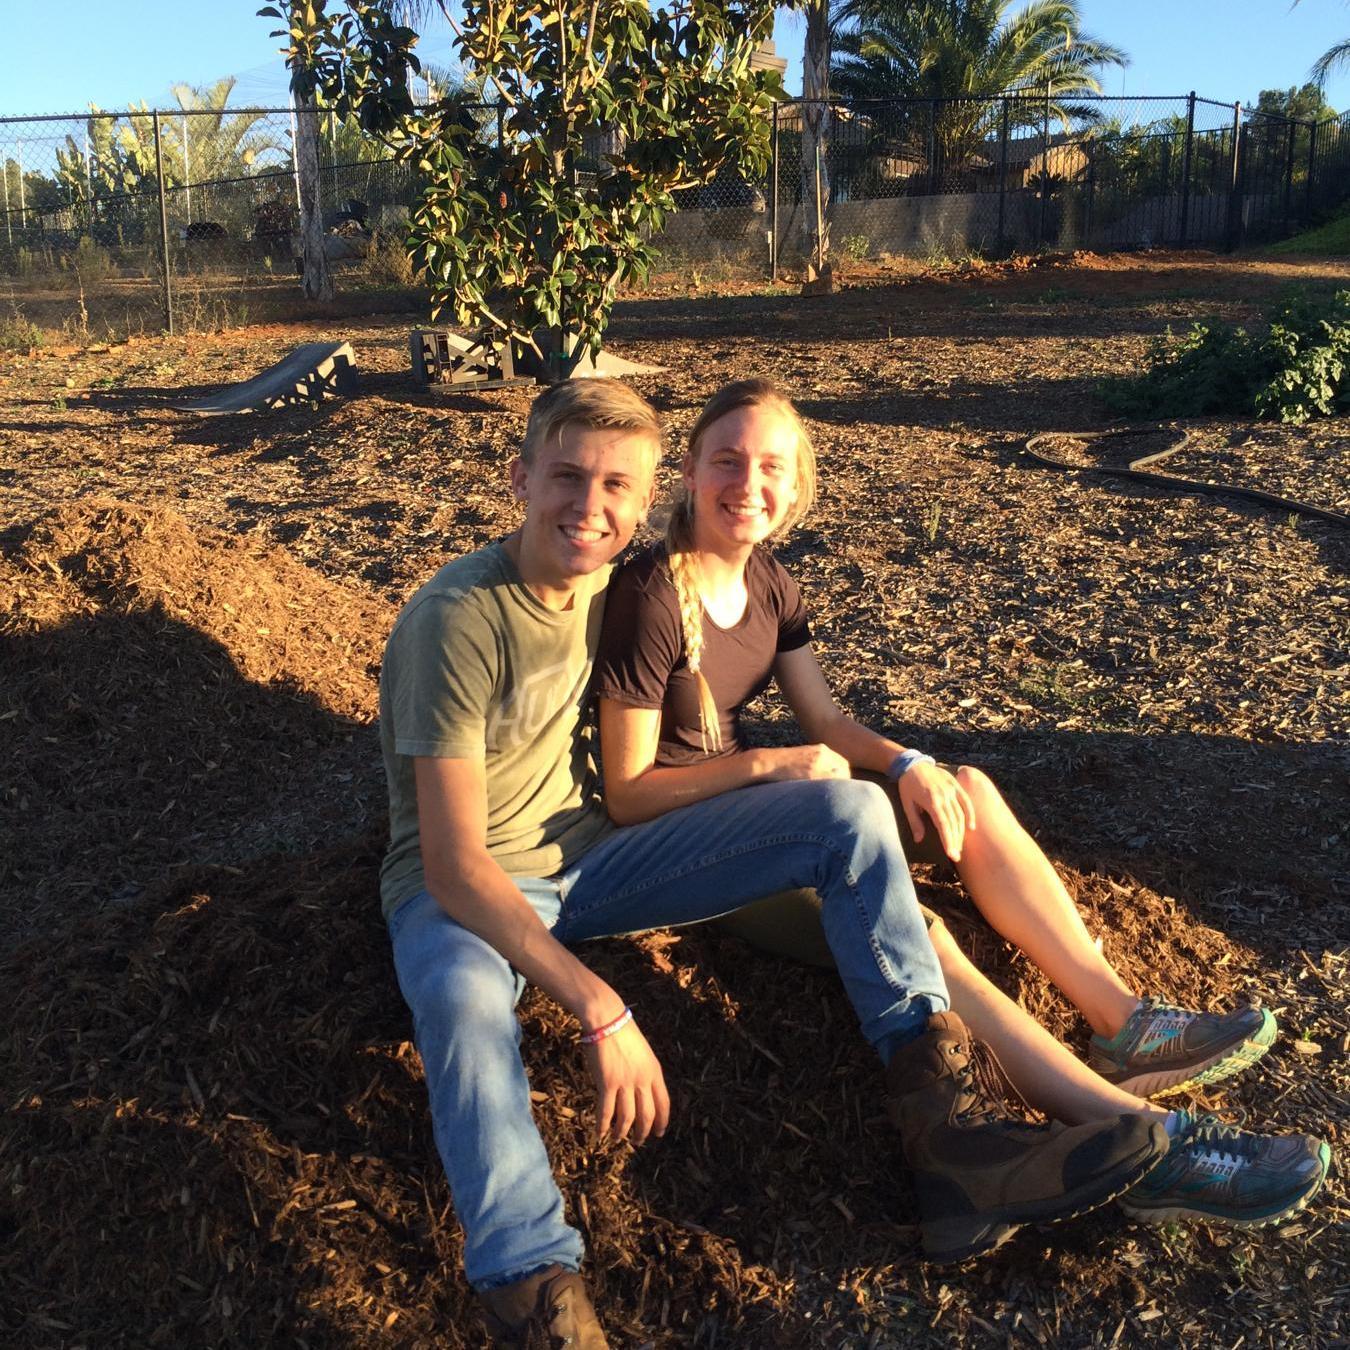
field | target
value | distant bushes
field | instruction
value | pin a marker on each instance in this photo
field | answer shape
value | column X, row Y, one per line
column 17, row 334
column 1297, row 368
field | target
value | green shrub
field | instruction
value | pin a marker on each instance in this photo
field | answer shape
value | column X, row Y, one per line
column 856, row 246
column 1296, row 369
column 18, row 334
column 91, row 262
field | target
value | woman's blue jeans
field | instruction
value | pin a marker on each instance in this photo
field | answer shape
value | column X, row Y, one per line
column 696, row 863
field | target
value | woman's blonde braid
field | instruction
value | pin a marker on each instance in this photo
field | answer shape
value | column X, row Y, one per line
column 685, row 576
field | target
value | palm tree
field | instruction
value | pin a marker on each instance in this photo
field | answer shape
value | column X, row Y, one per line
column 1331, row 60
column 216, row 142
column 816, row 128
column 969, row 50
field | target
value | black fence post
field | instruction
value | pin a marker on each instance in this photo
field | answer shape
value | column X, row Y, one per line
column 1289, row 177
column 1002, row 175
column 1090, row 194
column 1235, row 184
column 1184, row 225
column 1045, row 165
column 773, row 199
column 1309, row 203
column 163, row 226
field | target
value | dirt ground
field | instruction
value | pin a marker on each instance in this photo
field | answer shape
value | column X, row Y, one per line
column 214, row 1127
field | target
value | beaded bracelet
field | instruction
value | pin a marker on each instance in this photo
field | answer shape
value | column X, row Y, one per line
column 609, row 1029
column 905, row 761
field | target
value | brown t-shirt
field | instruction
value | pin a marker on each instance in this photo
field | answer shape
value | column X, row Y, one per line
column 642, row 662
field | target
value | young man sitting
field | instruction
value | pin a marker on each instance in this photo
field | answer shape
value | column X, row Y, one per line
column 502, row 857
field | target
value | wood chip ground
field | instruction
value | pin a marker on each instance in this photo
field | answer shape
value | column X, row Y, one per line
column 214, row 1130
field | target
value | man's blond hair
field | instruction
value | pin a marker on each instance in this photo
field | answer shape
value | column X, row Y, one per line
column 589, row 403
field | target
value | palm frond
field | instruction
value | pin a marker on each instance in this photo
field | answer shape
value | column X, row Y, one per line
column 1331, row 61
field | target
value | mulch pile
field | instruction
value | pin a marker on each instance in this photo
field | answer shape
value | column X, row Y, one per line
column 170, row 694
column 215, row 1130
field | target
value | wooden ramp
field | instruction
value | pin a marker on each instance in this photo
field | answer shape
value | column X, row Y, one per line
column 305, row 376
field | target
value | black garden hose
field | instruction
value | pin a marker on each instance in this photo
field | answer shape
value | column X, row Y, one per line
column 1134, row 471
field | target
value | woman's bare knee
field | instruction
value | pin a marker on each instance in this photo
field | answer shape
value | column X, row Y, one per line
column 978, row 785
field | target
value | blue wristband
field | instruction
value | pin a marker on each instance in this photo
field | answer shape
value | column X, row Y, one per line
column 905, row 761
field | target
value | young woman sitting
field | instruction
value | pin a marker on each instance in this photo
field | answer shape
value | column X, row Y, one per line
column 698, row 626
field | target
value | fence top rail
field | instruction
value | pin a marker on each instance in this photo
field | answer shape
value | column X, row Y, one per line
column 102, row 115
column 105, row 115
column 1028, row 95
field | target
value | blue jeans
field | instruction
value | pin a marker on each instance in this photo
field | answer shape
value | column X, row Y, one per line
column 838, row 836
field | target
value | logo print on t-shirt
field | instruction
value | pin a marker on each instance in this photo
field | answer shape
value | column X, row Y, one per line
column 535, row 702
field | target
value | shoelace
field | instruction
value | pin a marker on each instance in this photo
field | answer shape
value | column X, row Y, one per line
column 987, row 1083
column 1164, row 1017
column 1228, row 1141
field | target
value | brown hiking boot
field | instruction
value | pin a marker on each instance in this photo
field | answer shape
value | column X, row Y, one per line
column 544, row 1311
column 979, row 1171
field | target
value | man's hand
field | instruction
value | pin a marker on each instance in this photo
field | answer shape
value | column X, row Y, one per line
column 630, row 1087
column 927, row 791
column 806, row 761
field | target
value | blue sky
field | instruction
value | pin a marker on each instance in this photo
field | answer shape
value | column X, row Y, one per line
column 112, row 52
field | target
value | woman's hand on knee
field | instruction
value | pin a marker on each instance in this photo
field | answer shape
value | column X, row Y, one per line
column 930, row 795
column 631, row 1097
column 806, row 761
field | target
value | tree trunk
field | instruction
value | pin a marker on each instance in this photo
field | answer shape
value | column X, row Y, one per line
column 815, row 134
column 316, row 279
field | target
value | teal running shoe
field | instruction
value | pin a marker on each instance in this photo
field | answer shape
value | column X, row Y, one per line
column 1162, row 1048
column 1228, row 1176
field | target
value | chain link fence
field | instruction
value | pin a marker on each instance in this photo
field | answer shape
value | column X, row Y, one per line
column 137, row 221
column 959, row 176
column 140, row 221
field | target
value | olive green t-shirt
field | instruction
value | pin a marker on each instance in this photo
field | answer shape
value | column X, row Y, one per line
column 477, row 667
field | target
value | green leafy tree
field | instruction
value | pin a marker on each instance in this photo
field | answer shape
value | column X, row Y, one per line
column 1297, row 104
column 100, row 176
column 211, row 142
column 509, row 238
column 969, row 50
column 1273, row 142
column 109, row 176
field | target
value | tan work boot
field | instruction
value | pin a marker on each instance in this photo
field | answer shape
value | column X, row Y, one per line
column 544, row 1311
column 979, row 1171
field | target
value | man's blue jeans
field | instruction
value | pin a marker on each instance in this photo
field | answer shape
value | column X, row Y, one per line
column 838, row 836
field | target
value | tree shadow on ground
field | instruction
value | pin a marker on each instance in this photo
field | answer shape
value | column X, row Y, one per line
column 1243, row 836
column 231, row 1140
column 1042, row 403
column 875, row 314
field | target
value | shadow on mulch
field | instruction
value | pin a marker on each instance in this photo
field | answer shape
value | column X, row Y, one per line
column 218, row 1136
column 171, row 697
column 875, row 313
column 215, row 1130
column 1255, row 865
column 1046, row 403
